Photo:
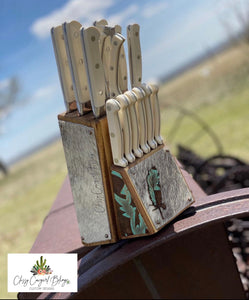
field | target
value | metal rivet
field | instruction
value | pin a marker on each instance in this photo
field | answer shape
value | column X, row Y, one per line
column 112, row 135
column 116, row 160
column 97, row 66
column 76, row 34
column 100, row 92
column 115, row 43
column 107, row 48
column 138, row 57
column 125, row 77
column 106, row 236
column 92, row 38
column 111, row 68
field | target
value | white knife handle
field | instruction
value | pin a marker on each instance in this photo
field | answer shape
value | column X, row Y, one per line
column 77, row 66
column 116, row 43
column 126, row 126
column 122, row 67
column 100, row 25
column 149, row 116
column 94, row 67
column 156, row 112
column 115, row 132
column 134, row 123
column 63, row 67
column 142, row 121
column 135, row 59
column 105, row 47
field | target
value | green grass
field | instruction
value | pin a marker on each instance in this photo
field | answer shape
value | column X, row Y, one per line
column 221, row 101
column 26, row 197
column 217, row 91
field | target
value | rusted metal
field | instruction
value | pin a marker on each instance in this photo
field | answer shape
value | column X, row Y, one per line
column 60, row 234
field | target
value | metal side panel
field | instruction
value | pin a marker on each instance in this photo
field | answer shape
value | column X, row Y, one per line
column 85, row 176
column 161, row 187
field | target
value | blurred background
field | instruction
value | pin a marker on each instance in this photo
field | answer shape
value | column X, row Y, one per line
column 198, row 51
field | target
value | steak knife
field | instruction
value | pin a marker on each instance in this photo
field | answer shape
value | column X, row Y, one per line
column 94, row 69
column 77, row 66
column 117, row 41
column 63, row 68
column 136, row 79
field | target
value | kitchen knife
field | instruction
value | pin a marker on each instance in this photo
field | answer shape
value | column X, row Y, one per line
column 94, row 69
column 116, row 42
column 101, row 25
column 123, row 88
column 77, row 66
column 136, row 78
column 63, row 68
column 96, row 79
column 140, row 95
column 134, row 123
column 156, row 112
column 117, row 144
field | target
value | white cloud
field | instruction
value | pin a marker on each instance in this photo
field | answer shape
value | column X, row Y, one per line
column 44, row 92
column 118, row 18
column 153, row 9
column 82, row 10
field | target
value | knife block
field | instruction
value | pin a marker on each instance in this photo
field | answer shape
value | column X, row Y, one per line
column 112, row 202
column 148, row 194
column 88, row 155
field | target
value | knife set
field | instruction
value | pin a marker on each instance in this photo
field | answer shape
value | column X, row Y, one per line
column 124, row 182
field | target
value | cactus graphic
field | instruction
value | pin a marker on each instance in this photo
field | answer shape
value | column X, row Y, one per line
column 40, row 268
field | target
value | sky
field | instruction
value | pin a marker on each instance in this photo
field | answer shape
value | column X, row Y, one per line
column 171, row 34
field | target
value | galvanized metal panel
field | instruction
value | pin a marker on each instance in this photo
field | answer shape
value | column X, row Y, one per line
column 175, row 194
column 86, row 181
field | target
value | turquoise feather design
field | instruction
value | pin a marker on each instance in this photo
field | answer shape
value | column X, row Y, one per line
column 129, row 211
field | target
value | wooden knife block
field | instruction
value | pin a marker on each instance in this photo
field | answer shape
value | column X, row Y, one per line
column 115, row 203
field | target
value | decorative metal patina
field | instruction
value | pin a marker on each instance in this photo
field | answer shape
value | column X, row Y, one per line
column 153, row 181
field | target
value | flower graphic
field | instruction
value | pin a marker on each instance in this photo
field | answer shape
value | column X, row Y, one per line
column 40, row 268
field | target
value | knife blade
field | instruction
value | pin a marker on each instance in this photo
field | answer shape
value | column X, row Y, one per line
column 94, row 69
column 136, row 78
column 117, row 41
column 77, row 67
column 63, row 68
